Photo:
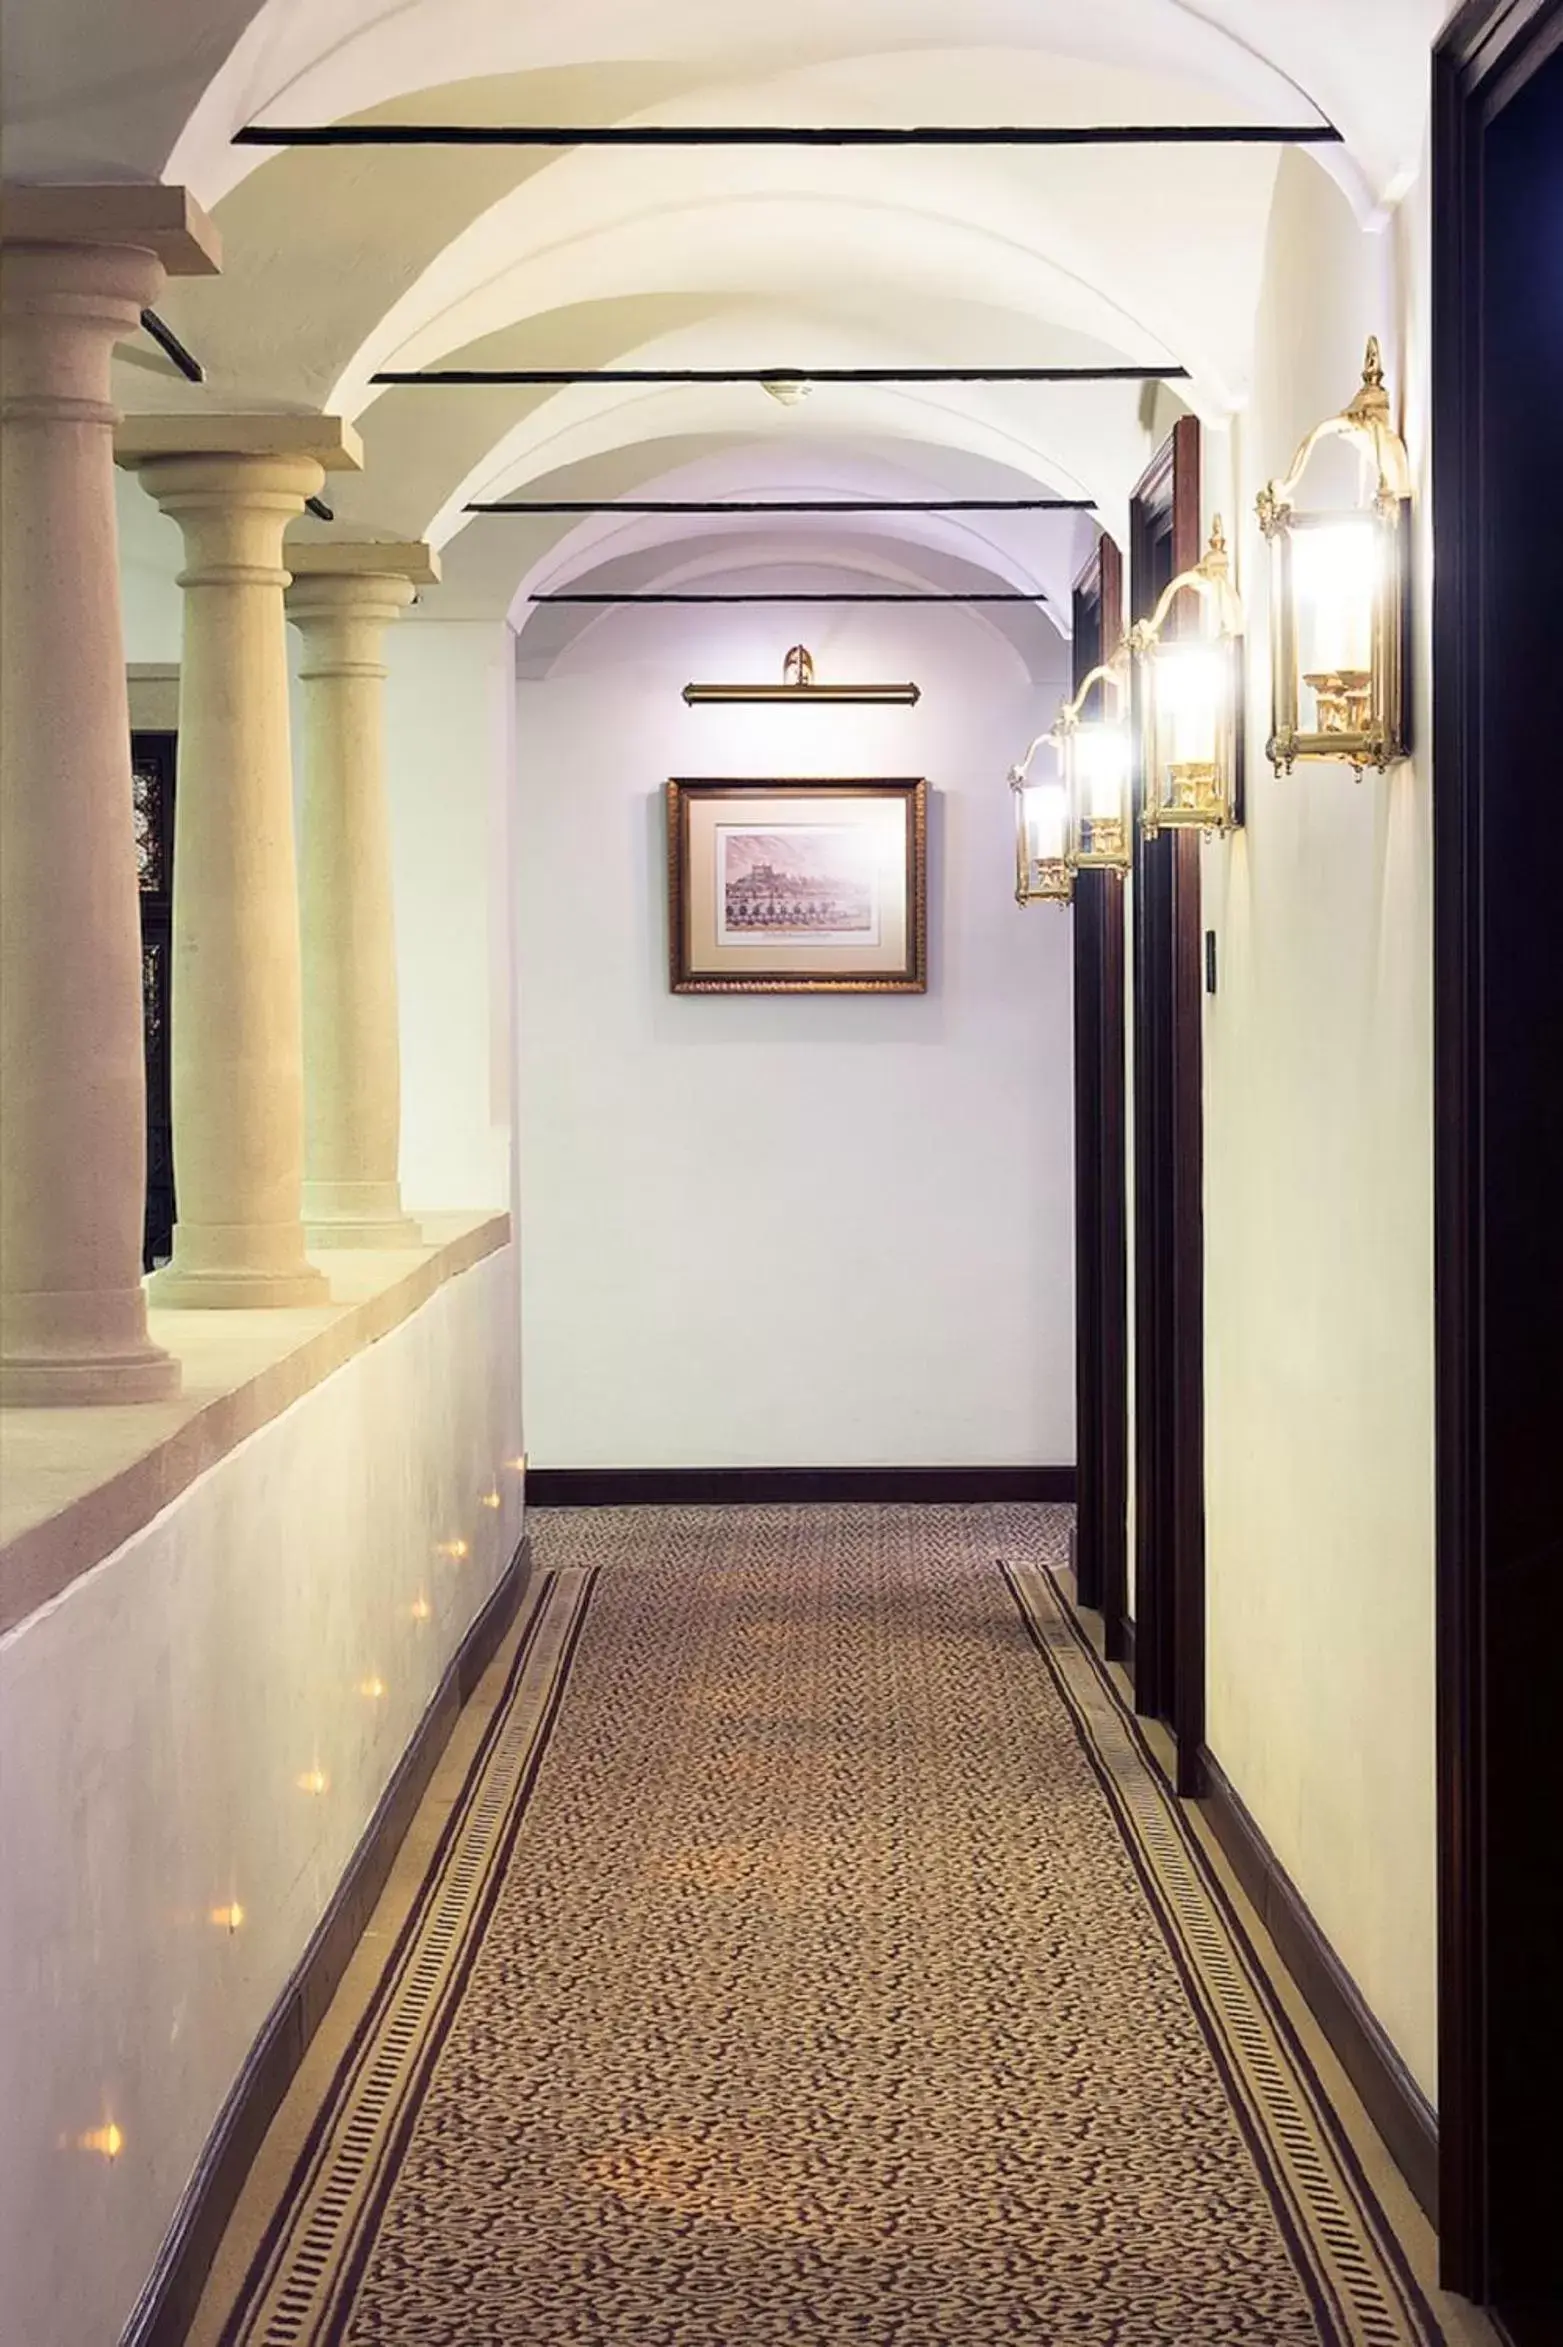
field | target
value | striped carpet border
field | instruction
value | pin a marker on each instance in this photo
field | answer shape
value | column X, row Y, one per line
column 1361, row 2286
column 300, row 2288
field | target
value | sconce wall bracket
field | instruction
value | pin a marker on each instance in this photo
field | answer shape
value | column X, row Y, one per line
column 1358, row 677
column 798, row 686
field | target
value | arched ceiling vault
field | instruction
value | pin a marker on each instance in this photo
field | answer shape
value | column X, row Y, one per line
column 343, row 262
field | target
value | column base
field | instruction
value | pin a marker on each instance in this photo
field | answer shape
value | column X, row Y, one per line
column 393, row 1230
column 173, row 1290
column 80, row 1348
column 90, row 1383
column 238, row 1267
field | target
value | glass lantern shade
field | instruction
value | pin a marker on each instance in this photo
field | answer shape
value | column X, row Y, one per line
column 1338, row 598
column 1042, row 870
column 1191, row 704
column 1097, row 768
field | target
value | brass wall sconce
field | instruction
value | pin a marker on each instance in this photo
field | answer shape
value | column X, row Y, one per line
column 1191, row 702
column 1338, row 603
column 797, row 685
column 1043, row 872
column 1095, row 755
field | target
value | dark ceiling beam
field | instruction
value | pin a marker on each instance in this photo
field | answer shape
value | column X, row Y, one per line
column 780, row 375
column 583, row 505
column 732, row 134
column 1006, row 595
column 170, row 345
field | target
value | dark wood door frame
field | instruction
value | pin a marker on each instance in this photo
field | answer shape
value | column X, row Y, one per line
column 1169, row 1265
column 1498, row 1154
column 1101, row 1193
column 153, row 760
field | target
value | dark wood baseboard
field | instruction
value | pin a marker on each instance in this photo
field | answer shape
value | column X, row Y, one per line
column 1393, row 2100
column 166, row 2307
column 681, row 1487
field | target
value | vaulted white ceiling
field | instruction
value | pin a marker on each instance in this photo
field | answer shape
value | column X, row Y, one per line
column 343, row 262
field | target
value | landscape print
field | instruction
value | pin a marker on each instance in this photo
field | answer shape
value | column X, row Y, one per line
column 797, row 882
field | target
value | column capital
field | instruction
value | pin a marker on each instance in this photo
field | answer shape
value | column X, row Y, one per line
column 340, row 558
column 339, row 587
column 241, row 440
column 140, row 216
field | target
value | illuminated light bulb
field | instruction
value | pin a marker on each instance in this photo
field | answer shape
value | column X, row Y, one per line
column 1335, row 572
column 421, row 1610
column 107, row 2141
column 491, row 1499
column 1102, row 766
column 314, row 1780
column 1047, row 820
column 453, row 1548
column 371, row 1689
column 228, row 1918
column 1190, row 678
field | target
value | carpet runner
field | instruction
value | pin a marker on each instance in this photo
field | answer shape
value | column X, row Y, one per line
column 814, row 1954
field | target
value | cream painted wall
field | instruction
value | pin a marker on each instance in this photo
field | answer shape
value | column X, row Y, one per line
column 155, row 1724
column 1318, row 1171
column 788, row 1231
column 151, row 556
column 450, row 716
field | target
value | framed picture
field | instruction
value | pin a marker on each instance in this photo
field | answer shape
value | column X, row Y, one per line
column 795, row 887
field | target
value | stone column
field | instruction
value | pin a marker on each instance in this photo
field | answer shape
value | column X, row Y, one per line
column 341, row 600
column 233, row 483
column 78, row 266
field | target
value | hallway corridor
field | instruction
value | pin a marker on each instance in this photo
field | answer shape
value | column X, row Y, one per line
column 810, row 1952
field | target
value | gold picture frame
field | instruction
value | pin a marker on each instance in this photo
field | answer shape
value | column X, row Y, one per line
column 797, row 886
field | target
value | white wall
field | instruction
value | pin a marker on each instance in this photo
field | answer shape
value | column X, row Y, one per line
column 155, row 1725
column 450, row 713
column 151, row 556
column 791, row 1230
column 1318, row 1173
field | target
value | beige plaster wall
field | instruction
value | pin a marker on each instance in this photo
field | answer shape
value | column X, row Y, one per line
column 789, row 1230
column 208, row 1719
column 1318, row 1207
column 154, row 695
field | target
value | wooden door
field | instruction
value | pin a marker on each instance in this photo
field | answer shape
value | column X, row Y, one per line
column 1101, row 1201
column 1498, row 1151
column 152, row 785
column 1169, row 1496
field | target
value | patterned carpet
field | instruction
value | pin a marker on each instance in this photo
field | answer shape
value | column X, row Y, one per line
column 814, row 1956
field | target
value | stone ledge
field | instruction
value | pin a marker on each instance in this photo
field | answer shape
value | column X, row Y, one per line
column 77, row 1484
column 144, row 215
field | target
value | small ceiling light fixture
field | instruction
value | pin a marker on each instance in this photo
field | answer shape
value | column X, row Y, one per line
column 1338, row 596
column 798, row 685
column 788, row 390
column 1191, row 696
column 1043, row 872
